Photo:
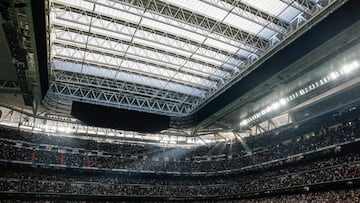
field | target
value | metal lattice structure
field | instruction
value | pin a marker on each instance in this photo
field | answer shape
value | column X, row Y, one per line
column 165, row 57
column 9, row 86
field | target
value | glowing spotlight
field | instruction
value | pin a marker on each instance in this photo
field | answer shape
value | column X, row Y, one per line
column 334, row 75
column 64, row 129
column 263, row 112
column 350, row 67
column 283, row 101
column 244, row 122
column 275, row 105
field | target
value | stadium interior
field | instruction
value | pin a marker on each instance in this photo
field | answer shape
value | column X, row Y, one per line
column 180, row 100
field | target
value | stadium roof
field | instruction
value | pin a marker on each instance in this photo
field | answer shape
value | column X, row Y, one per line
column 166, row 57
column 204, row 68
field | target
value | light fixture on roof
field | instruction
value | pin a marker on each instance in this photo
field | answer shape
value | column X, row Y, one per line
column 64, row 130
column 275, row 106
column 283, row 101
column 334, row 75
column 350, row 67
column 268, row 109
column 244, row 122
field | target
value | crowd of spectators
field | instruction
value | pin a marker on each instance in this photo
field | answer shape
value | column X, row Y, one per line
column 339, row 168
column 73, row 142
column 333, row 196
column 184, row 160
column 338, row 196
column 330, row 166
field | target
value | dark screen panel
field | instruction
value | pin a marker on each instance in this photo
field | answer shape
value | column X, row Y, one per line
column 122, row 119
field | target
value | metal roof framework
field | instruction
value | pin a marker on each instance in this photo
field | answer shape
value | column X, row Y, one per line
column 165, row 57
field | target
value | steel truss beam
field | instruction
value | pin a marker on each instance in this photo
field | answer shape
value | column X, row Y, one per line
column 70, row 36
column 181, row 44
column 56, row 103
column 252, row 14
column 124, row 47
column 302, row 5
column 119, row 99
column 220, row 57
column 75, row 62
column 108, row 22
column 150, row 35
column 120, row 86
column 315, row 6
column 318, row 16
column 309, row 8
column 197, row 20
column 135, row 68
column 9, row 86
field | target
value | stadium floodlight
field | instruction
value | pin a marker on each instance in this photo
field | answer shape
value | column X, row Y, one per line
column 350, row 67
column 244, row 122
column 283, row 101
column 64, row 130
column 275, row 105
column 25, row 127
column 262, row 112
column 334, row 75
column 268, row 109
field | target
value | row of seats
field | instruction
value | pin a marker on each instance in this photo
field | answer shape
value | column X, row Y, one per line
column 28, row 179
column 180, row 161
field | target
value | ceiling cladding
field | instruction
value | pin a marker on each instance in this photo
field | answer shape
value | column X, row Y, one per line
column 165, row 57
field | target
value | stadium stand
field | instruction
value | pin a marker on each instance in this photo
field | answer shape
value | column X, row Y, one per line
column 41, row 164
column 169, row 100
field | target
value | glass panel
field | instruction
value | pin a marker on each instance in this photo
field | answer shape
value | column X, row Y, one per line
column 272, row 7
column 200, row 8
column 289, row 14
column 242, row 24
